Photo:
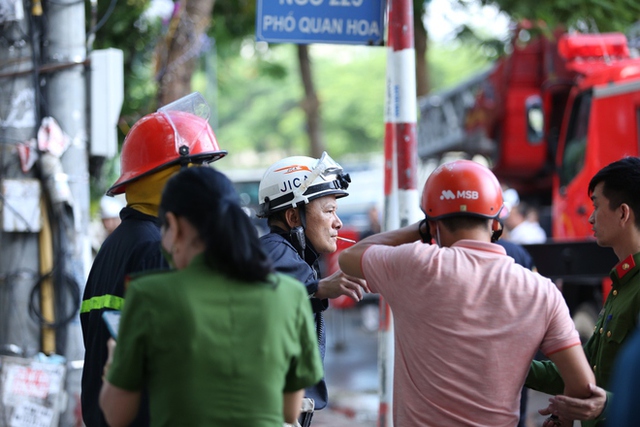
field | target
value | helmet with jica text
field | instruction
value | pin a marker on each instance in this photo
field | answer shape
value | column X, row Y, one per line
column 295, row 181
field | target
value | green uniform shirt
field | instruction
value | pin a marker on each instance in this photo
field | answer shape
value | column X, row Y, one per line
column 212, row 351
column 618, row 318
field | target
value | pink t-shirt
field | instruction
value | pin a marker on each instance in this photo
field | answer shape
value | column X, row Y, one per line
column 468, row 321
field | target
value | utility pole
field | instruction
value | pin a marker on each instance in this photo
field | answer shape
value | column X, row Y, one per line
column 19, row 233
column 44, row 247
column 401, row 195
column 66, row 92
column 391, row 222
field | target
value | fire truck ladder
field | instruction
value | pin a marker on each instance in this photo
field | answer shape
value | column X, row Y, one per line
column 441, row 127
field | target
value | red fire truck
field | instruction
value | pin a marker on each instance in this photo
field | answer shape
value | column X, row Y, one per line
column 547, row 117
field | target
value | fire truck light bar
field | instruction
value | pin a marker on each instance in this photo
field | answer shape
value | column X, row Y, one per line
column 574, row 46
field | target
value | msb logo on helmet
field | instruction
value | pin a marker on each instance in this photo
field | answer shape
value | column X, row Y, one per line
column 461, row 187
column 450, row 195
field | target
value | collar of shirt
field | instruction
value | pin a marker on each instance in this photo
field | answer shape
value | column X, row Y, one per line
column 479, row 246
column 311, row 257
column 625, row 270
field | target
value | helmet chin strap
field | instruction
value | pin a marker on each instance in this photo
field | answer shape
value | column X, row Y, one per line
column 425, row 235
column 298, row 238
column 496, row 232
column 184, row 157
column 438, row 242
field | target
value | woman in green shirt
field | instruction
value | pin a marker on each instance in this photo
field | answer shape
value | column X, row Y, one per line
column 220, row 340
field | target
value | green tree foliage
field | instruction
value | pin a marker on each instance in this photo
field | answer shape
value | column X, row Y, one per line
column 126, row 27
column 256, row 89
column 449, row 64
column 259, row 110
column 123, row 29
column 585, row 15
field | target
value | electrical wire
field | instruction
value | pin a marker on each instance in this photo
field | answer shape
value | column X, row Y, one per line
column 64, row 282
column 105, row 17
column 37, row 29
column 66, row 289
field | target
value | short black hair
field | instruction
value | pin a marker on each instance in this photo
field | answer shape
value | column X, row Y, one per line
column 464, row 222
column 279, row 216
column 621, row 184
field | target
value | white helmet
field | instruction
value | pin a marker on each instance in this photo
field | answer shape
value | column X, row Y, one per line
column 297, row 180
column 110, row 207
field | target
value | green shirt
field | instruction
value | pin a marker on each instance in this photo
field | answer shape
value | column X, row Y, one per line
column 617, row 319
column 212, row 351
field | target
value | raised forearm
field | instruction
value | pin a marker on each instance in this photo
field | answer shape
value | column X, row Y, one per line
column 351, row 258
column 401, row 236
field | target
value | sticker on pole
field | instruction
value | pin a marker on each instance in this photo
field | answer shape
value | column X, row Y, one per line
column 321, row 21
column 31, row 392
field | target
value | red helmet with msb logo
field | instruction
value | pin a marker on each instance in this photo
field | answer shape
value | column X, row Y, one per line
column 461, row 187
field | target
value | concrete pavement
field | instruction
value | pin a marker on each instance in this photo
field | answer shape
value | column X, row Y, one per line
column 349, row 408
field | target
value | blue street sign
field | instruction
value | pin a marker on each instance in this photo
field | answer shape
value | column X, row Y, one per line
column 321, row 21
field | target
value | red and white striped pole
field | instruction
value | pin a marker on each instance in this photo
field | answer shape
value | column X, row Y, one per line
column 404, row 60
column 385, row 329
column 401, row 195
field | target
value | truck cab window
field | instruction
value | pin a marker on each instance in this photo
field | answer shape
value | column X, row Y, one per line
column 535, row 119
column 576, row 141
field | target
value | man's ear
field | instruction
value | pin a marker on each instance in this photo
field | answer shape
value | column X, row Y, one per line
column 171, row 225
column 433, row 228
column 292, row 217
column 626, row 214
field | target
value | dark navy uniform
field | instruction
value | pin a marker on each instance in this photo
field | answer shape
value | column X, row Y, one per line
column 133, row 246
column 518, row 253
column 286, row 260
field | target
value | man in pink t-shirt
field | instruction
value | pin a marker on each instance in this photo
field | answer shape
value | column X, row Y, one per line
column 467, row 319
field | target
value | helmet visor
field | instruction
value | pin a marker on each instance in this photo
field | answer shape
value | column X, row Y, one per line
column 193, row 103
column 325, row 167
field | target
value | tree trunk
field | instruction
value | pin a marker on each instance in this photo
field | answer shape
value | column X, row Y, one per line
column 421, row 38
column 310, row 104
column 178, row 53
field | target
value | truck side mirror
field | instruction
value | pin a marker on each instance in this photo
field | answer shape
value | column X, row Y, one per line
column 535, row 119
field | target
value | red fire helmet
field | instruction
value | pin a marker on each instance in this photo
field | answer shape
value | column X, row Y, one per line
column 163, row 139
column 461, row 187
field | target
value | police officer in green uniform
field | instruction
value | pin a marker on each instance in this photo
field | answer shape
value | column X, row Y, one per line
column 616, row 224
column 219, row 340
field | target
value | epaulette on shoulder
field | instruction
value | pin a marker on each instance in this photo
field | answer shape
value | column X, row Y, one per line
column 624, row 266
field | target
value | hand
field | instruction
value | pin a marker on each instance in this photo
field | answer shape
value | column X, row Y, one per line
column 111, row 347
column 339, row 284
column 573, row 408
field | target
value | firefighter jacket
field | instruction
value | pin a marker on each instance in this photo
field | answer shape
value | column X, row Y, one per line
column 287, row 260
column 132, row 247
